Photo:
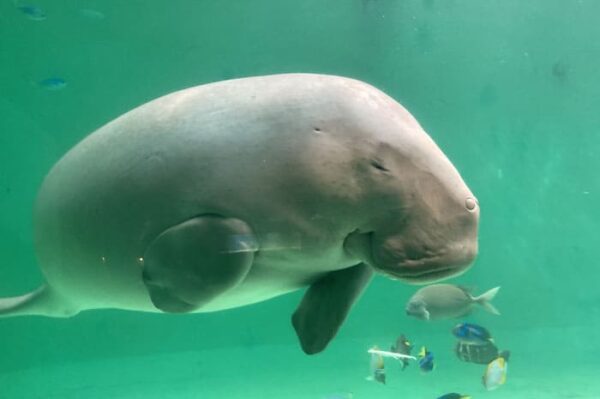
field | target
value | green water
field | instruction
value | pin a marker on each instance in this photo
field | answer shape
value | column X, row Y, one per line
column 508, row 89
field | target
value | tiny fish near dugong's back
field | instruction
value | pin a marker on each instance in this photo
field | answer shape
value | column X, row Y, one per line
column 231, row 193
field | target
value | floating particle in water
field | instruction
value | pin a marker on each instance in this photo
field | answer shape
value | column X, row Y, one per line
column 425, row 37
column 488, row 95
column 560, row 70
column 428, row 4
column 339, row 395
column 53, row 84
column 33, row 12
column 92, row 14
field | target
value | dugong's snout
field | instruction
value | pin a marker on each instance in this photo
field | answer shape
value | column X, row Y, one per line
column 431, row 247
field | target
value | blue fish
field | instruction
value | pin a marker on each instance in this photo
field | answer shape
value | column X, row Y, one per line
column 53, row 84
column 32, row 12
column 426, row 360
column 472, row 333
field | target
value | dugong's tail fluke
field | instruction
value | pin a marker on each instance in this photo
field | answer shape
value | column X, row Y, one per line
column 485, row 300
column 41, row 302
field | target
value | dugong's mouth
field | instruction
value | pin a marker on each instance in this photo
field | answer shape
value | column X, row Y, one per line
column 428, row 267
column 426, row 270
column 419, row 264
column 427, row 276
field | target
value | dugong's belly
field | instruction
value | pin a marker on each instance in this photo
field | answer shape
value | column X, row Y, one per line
column 273, row 155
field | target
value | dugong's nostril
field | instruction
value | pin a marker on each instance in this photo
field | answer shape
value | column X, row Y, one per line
column 471, row 203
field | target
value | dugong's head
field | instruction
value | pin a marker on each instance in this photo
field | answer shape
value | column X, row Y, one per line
column 435, row 236
column 426, row 227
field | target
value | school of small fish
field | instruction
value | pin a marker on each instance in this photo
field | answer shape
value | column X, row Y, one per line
column 38, row 14
column 475, row 343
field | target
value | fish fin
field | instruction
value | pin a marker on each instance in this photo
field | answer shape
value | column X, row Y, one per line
column 423, row 351
column 466, row 289
column 426, row 314
column 505, row 354
column 485, row 300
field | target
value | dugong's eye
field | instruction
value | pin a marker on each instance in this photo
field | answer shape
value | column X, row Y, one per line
column 379, row 165
column 471, row 203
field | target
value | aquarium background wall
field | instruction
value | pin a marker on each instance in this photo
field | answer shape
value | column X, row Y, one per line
column 508, row 89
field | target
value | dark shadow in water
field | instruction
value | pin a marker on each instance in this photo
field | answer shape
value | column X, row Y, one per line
column 560, row 71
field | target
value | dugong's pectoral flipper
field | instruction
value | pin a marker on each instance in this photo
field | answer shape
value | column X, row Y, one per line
column 326, row 305
column 191, row 263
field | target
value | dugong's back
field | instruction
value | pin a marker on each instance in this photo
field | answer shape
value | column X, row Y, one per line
column 228, row 148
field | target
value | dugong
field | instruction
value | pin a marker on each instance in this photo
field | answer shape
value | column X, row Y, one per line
column 234, row 192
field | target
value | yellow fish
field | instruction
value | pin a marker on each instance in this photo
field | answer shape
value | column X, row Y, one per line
column 495, row 372
column 377, row 366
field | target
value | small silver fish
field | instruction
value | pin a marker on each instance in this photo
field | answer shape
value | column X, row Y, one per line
column 92, row 14
column 444, row 301
column 377, row 367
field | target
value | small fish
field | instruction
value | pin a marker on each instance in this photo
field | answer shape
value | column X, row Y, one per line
column 495, row 373
column 393, row 355
column 445, row 301
column 476, row 353
column 339, row 395
column 92, row 14
column 53, row 84
column 377, row 366
column 403, row 347
column 454, row 396
column 472, row 333
column 33, row 12
column 426, row 360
